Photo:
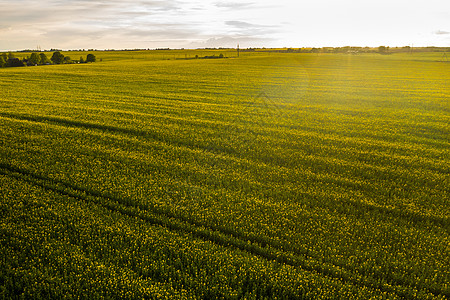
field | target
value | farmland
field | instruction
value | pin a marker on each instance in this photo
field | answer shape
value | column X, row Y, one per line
column 271, row 175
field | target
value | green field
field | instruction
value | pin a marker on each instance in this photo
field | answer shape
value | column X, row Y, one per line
column 269, row 176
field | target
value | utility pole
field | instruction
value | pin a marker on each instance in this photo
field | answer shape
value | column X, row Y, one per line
column 238, row 50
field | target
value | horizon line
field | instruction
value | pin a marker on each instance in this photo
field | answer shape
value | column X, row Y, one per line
column 216, row 48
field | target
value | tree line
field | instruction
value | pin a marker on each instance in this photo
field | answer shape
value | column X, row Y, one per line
column 35, row 59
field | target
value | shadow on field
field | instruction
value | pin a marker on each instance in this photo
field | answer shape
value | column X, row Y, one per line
column 350, row 207
column 112, row 129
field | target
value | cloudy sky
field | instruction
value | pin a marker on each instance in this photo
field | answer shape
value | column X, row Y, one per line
column 114, row 24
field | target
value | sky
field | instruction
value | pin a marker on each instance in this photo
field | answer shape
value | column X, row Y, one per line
column 125, row 24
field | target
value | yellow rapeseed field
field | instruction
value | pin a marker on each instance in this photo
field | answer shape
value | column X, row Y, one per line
column 155, row 175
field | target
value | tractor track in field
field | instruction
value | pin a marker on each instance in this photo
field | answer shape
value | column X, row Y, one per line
column 218, row 236
column 359, row 206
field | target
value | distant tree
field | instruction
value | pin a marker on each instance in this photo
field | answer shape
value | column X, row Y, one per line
column 2, row 62
column 67, row 60
column 5, row 57
column 90, row 58
column 221, row 55
column 82, row 60
column 14, row 62
column 10, row 55
column 34, row 59
column 383, row 49
column 57, row 58
column 43, row 59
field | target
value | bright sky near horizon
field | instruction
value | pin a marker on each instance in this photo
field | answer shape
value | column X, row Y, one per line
column 124, row 24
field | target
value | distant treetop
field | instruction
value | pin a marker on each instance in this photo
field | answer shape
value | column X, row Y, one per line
column 9, row 60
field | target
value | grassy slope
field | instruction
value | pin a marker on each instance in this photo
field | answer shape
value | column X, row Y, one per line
column 272, row 175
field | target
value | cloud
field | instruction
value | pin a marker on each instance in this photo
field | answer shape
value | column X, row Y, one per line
column 231, row 42
column 5, row 27
column 74, row 24
column 240, row 24
column 441, row 32
column 235, row 5
column 250, row 29
column 49, row 11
